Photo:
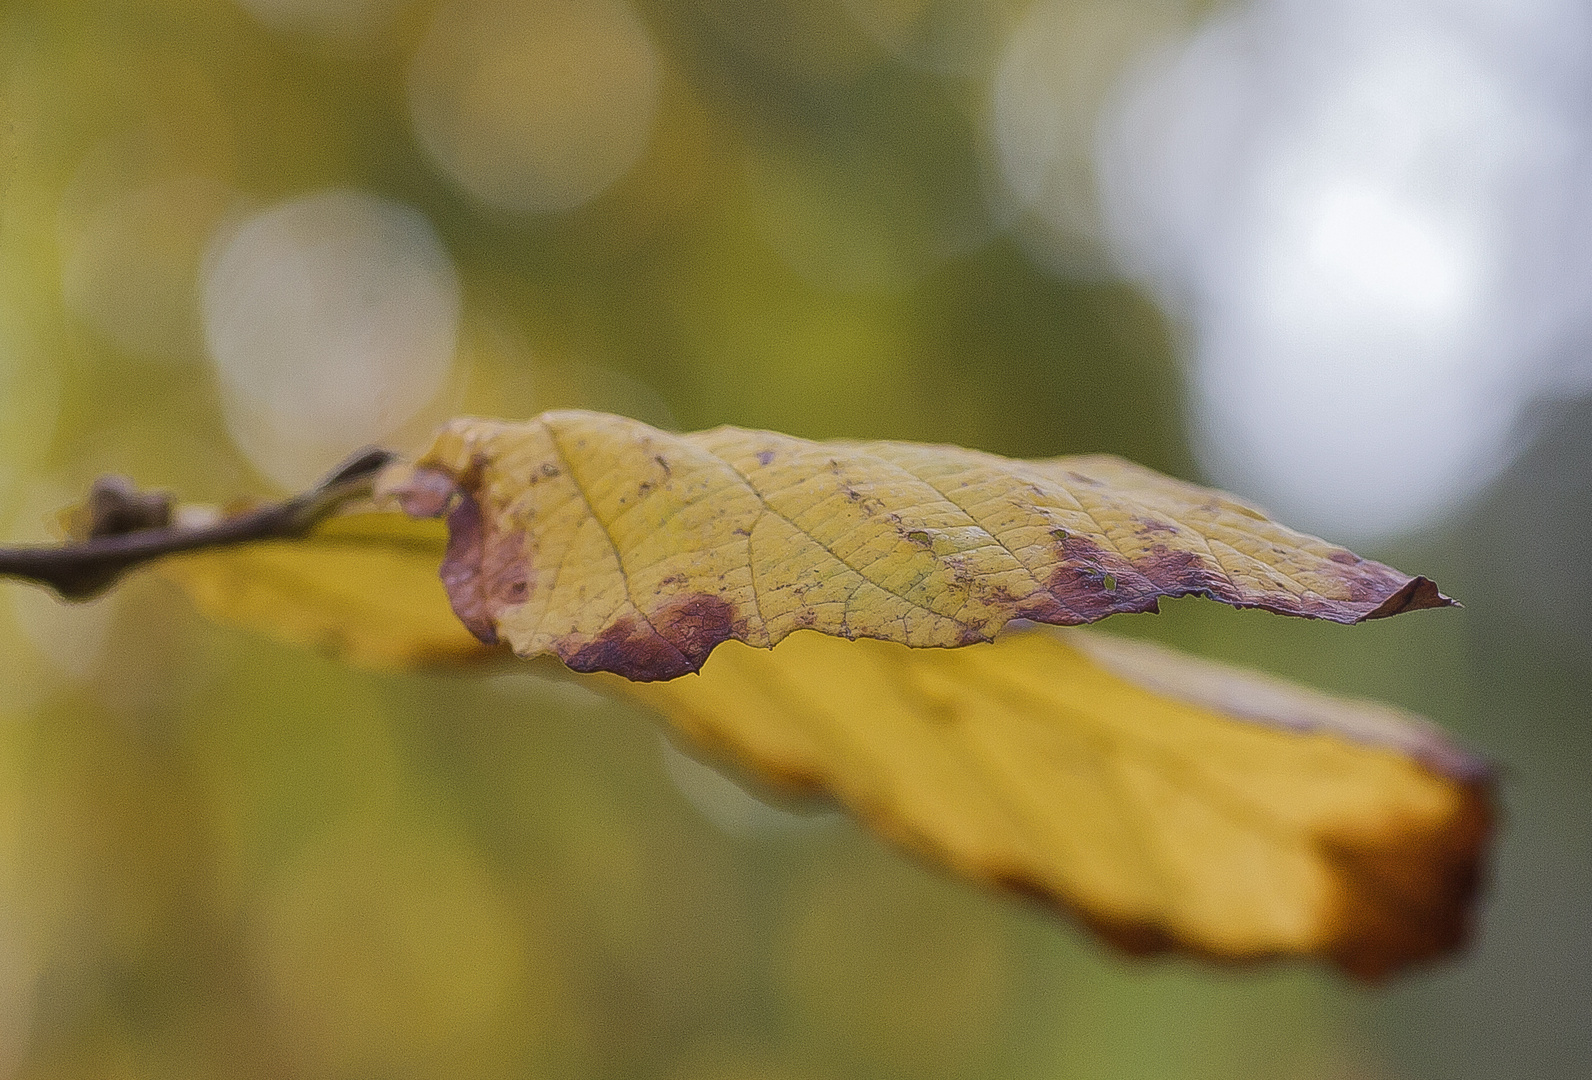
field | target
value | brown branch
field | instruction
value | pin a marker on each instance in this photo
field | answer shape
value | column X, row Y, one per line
column 121, row 534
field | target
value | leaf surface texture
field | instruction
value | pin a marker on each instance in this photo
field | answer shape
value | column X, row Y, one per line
column 618, row 547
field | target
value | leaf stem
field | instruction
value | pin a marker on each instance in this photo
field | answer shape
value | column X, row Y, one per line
column 82, row 569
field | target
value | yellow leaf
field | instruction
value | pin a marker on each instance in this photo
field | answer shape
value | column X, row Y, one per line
column 618, row 547
column 1168, row 802
column 363, row 586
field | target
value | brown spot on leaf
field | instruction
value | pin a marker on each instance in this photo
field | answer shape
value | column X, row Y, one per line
column 1082, row 591
column 677, row 642
column 1177, row 572
column 461, row 569
column 1152, row 527
column 632, row 649
column 1079, row 582
column 765, row 456
column 1041, row 606
column 696, row 623
column 484, row 572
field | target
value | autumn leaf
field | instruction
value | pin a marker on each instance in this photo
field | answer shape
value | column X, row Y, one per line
column 1166, row 801
column 362, row 586
column 618, row 547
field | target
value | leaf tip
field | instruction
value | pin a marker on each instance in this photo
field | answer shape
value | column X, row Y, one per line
column 1414, row 895
column 1415, row 594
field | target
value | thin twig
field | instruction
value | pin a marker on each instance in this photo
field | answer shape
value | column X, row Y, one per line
column 81, row 569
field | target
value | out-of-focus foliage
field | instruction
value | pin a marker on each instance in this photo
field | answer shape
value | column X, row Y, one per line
column 224, row 857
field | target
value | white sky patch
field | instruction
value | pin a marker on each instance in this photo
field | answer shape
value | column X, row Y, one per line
column 331, row 321
column 1372, row 218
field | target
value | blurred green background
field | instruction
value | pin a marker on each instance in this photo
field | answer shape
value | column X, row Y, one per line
column 240, row 238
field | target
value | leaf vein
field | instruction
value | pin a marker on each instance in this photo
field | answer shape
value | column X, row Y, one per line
column 619, row 559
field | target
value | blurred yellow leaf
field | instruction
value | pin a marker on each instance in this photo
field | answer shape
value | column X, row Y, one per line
column 1168, row 802
column 618, row 547
column 362, row 586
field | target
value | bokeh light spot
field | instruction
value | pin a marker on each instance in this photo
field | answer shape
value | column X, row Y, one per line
column 537, row 107
column 331, row 321
column 1058, row 67
column 1364, row 215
